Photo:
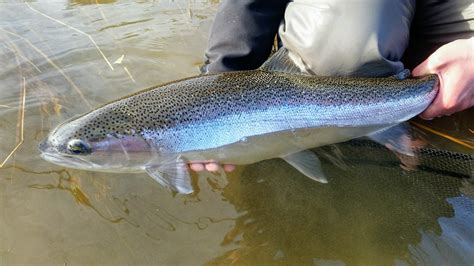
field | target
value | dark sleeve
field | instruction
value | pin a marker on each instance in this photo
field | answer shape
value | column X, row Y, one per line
column 438, row 22
column 242, row 34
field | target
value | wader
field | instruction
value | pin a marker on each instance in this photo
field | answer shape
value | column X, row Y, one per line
column 336, row 37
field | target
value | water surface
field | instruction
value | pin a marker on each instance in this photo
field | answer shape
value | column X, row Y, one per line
column 70, row 56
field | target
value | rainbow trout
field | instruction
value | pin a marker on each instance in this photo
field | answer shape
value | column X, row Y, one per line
column 235, row 118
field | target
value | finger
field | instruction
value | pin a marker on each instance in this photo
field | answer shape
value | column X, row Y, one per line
column 197, row 167
column 435, row 109
column 212, row 167
column 437, row 106
column 422, row 69
column 229, row 167
column 440, row 108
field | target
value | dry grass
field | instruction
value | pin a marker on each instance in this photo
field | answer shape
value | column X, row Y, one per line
column 68, row 79
column 76, row 30
column 21, row 125
column 451, row 138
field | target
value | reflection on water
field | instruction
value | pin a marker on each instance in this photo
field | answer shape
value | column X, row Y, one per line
column 72, row 56
column 371, row 212
column 92, row 2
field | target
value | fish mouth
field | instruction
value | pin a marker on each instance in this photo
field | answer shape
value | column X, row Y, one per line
column 52, row 154
column 66, row 160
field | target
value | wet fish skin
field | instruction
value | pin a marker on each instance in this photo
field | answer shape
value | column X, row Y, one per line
column 235, row 117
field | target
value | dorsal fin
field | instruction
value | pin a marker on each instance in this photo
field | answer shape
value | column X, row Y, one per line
column 404, row 74
column 281, row 62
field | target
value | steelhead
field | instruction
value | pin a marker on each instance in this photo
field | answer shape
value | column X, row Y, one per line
column 235, row 118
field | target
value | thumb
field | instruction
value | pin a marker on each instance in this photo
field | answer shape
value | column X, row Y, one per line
column 422, row 69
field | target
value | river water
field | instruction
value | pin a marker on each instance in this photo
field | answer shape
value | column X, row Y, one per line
column 62, row 58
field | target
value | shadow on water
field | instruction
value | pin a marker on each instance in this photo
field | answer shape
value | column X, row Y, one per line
column 68, row 183
column 371, row 212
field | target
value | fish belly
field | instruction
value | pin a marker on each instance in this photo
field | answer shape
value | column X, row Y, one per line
column 278, row 144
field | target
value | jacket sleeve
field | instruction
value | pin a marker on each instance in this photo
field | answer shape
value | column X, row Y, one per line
column 242, row 34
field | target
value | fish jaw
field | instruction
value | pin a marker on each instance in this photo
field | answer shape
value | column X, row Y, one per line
column 113, row 153
column 52, row 154
column 76, row 162
column 67, row 161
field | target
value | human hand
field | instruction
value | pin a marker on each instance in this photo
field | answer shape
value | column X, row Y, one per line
column 211, row 167
column 454, row 65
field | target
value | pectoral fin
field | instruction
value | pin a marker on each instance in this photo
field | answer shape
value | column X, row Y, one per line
column 307, row 163
column 173, row 176
column 396, row 138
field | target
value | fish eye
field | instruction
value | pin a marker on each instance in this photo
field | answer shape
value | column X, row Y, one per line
column 77, row 146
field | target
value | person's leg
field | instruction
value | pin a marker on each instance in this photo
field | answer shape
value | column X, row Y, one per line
column 242, row 34
column 348, row 37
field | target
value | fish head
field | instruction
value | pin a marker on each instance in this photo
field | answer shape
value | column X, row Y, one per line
column 102, row 140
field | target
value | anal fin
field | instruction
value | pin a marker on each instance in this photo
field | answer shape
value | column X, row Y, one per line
column 307, row 163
